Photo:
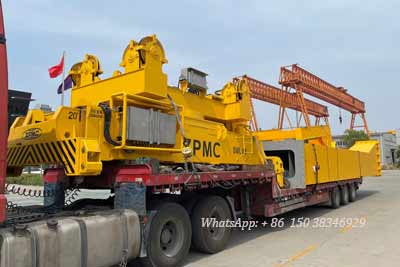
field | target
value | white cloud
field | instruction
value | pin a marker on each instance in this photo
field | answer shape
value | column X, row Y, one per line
column 350, row 43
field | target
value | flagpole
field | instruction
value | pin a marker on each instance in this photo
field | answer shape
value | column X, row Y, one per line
column 63, row 83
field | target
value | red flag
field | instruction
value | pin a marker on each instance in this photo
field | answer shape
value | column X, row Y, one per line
column 57, row 69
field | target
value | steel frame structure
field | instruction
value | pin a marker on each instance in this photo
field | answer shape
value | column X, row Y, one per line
column 304, row 82
column 271, row 94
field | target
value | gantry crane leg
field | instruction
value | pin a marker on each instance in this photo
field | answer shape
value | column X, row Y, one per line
column 304, row 110
column 364, row 122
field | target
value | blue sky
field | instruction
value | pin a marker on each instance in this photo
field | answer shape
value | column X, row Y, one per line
column 354, row 44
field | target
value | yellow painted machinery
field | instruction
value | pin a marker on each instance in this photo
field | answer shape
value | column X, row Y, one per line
column 310, row 157
column 174, row 156
column 135, row 114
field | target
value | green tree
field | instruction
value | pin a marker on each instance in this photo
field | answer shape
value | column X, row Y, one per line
column 351, row 136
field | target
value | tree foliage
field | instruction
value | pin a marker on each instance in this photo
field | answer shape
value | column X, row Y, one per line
column 351, row 136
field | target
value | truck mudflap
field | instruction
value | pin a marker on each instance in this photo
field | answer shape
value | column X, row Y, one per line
column 97, row 239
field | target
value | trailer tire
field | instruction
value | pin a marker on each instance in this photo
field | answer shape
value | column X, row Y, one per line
column 344, row 195
column 352, row 193
column 169, row 237
column 211, row 239
column 335, row 198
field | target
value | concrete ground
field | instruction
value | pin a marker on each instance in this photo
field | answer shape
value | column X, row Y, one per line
column 375, row 244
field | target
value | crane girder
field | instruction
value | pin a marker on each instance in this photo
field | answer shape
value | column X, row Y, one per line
column 305, row 82
column 271, row 94
column 299, row 78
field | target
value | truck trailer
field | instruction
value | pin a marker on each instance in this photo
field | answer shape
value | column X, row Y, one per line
column 171, row 156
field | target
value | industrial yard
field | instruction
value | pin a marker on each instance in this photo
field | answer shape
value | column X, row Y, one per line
column 203, row 133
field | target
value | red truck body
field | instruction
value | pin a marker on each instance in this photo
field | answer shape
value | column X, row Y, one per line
column 3, row 115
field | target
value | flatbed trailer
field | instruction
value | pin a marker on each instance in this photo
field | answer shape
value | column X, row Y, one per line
column 265, row 197
column 174, row 199
column 161, row 189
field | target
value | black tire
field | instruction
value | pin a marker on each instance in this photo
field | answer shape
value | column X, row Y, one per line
column 169, row 237
column 344, row 195
column 211, row 239
column 352, row 193
column 335, row 198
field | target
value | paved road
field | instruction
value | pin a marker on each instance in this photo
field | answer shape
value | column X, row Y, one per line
column 375, row 244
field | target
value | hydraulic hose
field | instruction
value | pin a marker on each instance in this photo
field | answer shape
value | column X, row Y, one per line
column 107, row 123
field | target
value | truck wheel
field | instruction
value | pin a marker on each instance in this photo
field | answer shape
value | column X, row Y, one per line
column 344, row 195
column 335, row 198
column 211, row 239
column 169, row 238
column 352, row 193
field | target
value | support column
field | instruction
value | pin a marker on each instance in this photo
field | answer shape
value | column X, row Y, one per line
column 54, row 184
column 130, row 191
column 130, row 196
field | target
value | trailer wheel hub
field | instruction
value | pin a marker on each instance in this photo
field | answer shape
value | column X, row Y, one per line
column 170, row 239
column 166, row 236
column 215, row 231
